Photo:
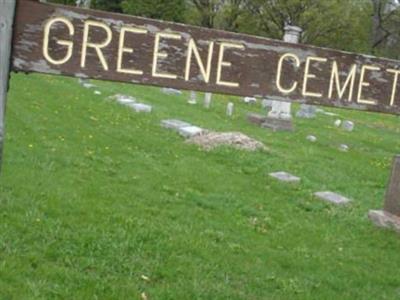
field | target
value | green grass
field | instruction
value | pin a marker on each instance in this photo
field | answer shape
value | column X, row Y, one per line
column 93, row 196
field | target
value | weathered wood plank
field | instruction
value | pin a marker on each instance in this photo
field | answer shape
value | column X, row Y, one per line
column 7, row 9
column 63, row 40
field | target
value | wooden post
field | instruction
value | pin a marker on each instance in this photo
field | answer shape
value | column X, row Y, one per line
column 392, row 201
column 390, row 216
column 7, row 10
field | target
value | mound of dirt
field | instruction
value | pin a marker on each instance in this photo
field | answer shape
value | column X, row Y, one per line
column 211, row 140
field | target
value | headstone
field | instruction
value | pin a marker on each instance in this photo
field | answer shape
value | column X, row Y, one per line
column 266, row 104
column 88, row 85
column 284, row 176
column 193, row 98
column 97, row 93
column 279, row 118
column 389, row 217
column 249, row 100
column 256, row 118
column 171, row 91
column 332, row 198
column 311, row 138
column 344, row 148
column 348, row 125
column 306, row 111
column 123, row 99
column 174, row 124
column 83, row 80
column 229, row 109
column 190, row 131
column 141, row 108
column 292, row 34
column 338, row 123
column 207, row 100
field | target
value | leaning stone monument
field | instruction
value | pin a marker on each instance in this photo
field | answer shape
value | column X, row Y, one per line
column 280, row 116
column 389, row 217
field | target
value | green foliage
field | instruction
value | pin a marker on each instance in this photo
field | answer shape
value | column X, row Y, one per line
column 97, row 202
column 169, row 10
column 108, row 5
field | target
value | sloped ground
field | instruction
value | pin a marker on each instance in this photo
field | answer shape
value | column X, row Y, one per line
column 99, row 202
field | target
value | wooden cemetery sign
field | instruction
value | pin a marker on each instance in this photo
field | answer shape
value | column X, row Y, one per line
column 70, row 41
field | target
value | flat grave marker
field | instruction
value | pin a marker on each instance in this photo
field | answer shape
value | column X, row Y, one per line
column 285, row 177
column 332, row 198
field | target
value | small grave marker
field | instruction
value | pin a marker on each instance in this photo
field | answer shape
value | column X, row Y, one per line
column 193, row 98
column 306, row 111
column 141, row 108
column 348, row 125
column 207, row 100
column 285, row 177
column 332, row 198
column 229, row 109
column 249, row 100
column 174, row 124
column 190, row 131
column 312, row 138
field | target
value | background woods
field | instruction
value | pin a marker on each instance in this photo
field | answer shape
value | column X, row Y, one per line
column 367, row 26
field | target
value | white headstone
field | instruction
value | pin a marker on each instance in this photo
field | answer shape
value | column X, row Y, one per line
column 250, row 100
column 193, row 98
column 292, row 34
column 338, row 123
column 280, row 110
column 174, row 124
column 348, row 125
column 207, row 100
column 312, row 138
column 229, row 109
column 190, row 131
column 141, row 108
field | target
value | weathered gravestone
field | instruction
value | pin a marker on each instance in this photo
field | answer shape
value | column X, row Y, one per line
column 207, row 100
column 192, row 98
column 306, row 111
column 280, row 116
column 229, row 109
column 285, row 177
column 389, row 217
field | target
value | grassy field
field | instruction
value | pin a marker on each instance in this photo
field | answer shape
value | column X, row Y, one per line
column 98, row 202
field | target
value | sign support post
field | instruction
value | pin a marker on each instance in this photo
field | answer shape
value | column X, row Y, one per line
column 389, row 217
column 7, row 10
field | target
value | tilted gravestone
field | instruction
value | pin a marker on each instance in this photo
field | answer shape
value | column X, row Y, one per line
column 70, row 41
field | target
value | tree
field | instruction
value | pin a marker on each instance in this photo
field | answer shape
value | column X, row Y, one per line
column 385, row 33
column 329, row 23
column 170, row 10
column 108, row 5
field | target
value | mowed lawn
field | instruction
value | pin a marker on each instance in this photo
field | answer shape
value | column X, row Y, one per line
column 98, row 202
